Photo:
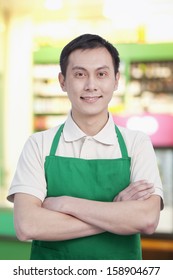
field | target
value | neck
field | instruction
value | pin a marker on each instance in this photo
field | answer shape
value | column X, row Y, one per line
column 91, row 125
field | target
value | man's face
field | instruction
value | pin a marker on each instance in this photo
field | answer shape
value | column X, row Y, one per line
column 90, row 81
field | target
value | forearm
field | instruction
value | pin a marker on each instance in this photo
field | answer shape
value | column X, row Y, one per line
column 38, row 223
column 125, row 217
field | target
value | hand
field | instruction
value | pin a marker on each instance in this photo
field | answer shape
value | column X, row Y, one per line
column 140, row 190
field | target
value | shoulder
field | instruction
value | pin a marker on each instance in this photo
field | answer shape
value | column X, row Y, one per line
column 134, row 139
column 45, row 135
column 39, row 143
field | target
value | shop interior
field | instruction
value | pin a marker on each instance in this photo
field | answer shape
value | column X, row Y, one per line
column 32, row 35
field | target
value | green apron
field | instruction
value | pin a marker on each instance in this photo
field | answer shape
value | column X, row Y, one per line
column 94, row 179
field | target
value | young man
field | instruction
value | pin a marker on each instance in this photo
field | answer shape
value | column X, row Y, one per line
column 87, row 189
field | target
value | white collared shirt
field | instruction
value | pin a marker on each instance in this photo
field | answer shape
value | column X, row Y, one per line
column 29, row 177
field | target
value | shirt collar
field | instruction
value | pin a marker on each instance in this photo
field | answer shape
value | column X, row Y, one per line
column 107, row 135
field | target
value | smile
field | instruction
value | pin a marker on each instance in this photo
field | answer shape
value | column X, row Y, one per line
column 90, row 99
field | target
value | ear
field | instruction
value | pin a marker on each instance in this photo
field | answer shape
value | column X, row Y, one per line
column 117, row 77
column 62, row 81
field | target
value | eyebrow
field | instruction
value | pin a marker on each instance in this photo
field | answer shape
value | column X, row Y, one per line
column 78, row 68
column 82, row 68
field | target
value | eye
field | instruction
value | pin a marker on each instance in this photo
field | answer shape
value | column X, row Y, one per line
column 79, row 74
column 102, row 75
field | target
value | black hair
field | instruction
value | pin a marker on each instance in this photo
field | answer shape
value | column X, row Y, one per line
column 88, row 41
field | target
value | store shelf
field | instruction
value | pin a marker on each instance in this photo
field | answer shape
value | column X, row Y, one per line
column 50, row 104
column 155, row 77
column 150, row 86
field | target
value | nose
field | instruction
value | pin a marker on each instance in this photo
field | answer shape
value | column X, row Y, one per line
column 91, row 84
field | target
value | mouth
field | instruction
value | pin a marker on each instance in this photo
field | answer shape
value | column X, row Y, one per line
column 90, row 99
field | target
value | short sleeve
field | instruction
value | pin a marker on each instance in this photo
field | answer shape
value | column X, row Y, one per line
column 29, row 177
column 144, row 164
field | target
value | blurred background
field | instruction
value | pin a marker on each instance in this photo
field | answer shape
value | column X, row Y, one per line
column 32, row 34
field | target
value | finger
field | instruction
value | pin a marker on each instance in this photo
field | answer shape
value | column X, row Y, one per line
column 135, row 193
column 145, row 197
column 143, row 193
column 136, row 185
column 138, row 188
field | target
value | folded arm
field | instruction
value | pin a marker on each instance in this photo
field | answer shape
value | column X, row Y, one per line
column 124, row 217
column 61, row 218
column 134, row 210
column 32, row 221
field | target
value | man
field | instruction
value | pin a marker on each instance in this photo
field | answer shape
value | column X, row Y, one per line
column 87, row 189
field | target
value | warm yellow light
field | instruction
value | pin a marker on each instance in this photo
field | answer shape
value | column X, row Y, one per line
column 2, row 27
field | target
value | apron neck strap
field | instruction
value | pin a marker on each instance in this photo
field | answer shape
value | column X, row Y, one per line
column 121, row 142
column 119, row 135
column 56, row 140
